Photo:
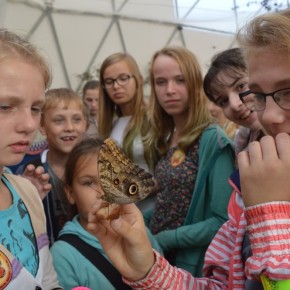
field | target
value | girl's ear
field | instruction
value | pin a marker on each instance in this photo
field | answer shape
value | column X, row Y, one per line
column 69, row 194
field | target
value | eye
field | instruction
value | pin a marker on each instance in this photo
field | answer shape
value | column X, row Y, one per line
column 180, row 80
column 260, row 97
column 242, row 87
column 222, row 102
column 285, row 93
column 6, row 108
column 160, row 82
column 36, row 110
column 58, row 121
column 123, row 77
column 88, row 183
column 108, row 81
column 91, row 183
column 77, row 120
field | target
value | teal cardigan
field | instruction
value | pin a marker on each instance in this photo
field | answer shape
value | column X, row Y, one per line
column 208, row 207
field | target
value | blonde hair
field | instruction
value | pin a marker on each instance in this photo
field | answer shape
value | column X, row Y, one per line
column 13, row 46
column 138, row 123
column 66, row 96
column 271, row 29
column 162, row 124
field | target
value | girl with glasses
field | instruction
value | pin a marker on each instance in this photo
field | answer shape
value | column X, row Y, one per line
column 122, row 110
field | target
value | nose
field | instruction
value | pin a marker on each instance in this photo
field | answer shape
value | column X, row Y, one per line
column 69, row 126
column 170, row 87
column 272, row 114
column 235, row 102
column 27, row 122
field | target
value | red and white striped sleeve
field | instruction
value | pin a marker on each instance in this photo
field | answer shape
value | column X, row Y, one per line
column 269, row 233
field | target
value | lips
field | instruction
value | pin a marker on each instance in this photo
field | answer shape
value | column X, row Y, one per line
column 171, row 102
column 20, row 147
column 118, row 95
column 245, row 115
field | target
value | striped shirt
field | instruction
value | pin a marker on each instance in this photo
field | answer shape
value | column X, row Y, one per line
column 269, row 233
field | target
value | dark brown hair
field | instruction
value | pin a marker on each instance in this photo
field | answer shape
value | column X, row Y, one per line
column 83, row 148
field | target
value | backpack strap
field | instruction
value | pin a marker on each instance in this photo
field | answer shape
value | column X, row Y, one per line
column 97, row 259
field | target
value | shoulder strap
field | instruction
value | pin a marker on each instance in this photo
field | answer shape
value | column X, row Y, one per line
column 97, row 259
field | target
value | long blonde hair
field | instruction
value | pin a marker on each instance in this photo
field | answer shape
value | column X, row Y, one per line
column 162, row 124
column 138, row 123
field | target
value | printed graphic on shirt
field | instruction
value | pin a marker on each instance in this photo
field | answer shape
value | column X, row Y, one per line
column 5, row 270
column 18, row 237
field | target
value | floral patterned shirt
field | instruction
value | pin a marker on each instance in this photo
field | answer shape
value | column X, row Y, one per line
column 176, row 185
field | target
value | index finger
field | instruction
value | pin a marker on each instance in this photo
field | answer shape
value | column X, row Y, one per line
column 283, row 146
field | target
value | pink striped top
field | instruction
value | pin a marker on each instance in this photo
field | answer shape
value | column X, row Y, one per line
column 269, row 233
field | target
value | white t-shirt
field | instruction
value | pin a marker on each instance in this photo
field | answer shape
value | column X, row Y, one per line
column 117, row 134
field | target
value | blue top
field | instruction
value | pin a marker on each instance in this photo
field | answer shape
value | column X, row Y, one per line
column 16, row 232
column 72, row 268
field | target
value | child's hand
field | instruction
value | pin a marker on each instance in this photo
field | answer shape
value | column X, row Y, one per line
column 265, row 170
column 38, row 178
column 124, row 240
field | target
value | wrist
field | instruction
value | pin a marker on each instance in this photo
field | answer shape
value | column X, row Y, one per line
column 143, row 274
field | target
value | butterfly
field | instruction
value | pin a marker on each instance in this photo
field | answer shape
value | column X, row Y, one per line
column 122, row 180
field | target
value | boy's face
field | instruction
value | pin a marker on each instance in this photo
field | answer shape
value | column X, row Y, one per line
column 21, row 99
column 64, row 128
column 269, row 70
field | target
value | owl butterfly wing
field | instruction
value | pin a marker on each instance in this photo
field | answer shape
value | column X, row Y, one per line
column 122, row 180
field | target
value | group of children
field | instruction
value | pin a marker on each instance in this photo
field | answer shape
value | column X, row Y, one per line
column 251, row 250
column 191, row 226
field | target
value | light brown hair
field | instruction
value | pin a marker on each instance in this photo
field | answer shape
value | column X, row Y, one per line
column 162, row 125
column 13, row 46
column 54, row 97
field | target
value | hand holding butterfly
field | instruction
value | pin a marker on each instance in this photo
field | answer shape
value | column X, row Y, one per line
column 265, row 170
column 124, row 240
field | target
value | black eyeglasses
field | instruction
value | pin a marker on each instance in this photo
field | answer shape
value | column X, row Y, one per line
column 121, row 80
column 257, row 101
